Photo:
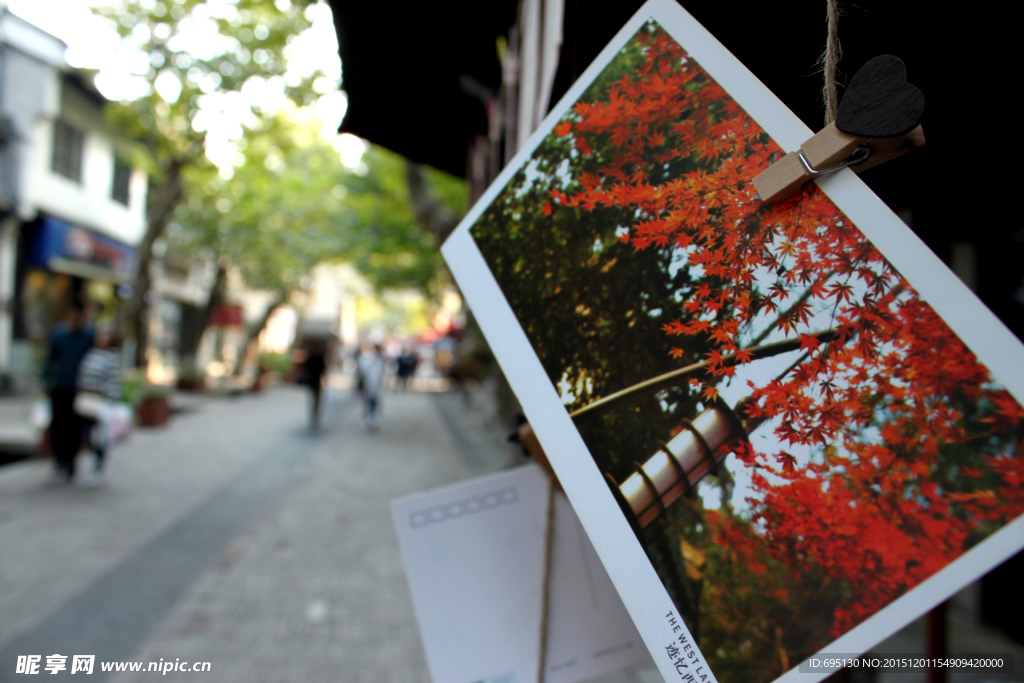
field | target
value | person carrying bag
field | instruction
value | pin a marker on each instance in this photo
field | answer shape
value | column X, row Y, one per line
column 98, row 399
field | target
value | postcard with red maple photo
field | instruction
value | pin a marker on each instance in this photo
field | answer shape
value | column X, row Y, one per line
column 787, row 428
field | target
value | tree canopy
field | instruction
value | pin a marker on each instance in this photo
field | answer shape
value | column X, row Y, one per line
column 199, row 56
column 291, row 203
column 279, row 199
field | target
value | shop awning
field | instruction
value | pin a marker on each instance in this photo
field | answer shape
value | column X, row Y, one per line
column 71, row 249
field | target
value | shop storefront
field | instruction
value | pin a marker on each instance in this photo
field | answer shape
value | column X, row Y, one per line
column 59, row 262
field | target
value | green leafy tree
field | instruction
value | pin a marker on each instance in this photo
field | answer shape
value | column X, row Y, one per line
column 273, row 219
column 245, row 44
column 390, row 244
column 290, row 204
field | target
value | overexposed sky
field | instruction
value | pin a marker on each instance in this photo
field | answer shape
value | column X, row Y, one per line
column 93, row 43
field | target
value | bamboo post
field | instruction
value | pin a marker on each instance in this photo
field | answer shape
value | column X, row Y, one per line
column 681, row 463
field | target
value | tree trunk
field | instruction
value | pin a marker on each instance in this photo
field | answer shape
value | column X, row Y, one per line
column 190, row 343
column 164, row 199
column 431, row 214
column 439, row 220
column 254, row 333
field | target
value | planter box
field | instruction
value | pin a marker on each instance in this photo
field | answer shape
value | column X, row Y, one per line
column 153, row 412
column 192, row 385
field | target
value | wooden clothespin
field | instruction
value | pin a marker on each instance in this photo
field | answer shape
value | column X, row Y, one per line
column 877, row 121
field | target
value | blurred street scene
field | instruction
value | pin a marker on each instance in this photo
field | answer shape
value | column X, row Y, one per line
column 238, row 535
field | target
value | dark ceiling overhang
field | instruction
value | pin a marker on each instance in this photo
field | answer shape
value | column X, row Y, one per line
column 402, row 65
column 404, row 69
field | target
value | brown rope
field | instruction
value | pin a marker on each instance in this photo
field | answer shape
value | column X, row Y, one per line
column 829, row 60
column 549, row 537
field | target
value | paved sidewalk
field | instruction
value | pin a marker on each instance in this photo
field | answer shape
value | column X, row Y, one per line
column 237, row 536
column 59, row 540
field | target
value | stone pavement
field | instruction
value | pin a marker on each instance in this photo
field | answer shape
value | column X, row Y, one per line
column 237, row 536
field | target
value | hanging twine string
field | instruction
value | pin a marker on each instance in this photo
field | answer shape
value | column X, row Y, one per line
column 549, row 537
column 829, row 60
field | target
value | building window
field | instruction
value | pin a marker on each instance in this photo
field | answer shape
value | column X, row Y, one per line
column 122, row 181
column 68, row 142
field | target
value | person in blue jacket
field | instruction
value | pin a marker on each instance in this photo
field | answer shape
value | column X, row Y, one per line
column 68, row 346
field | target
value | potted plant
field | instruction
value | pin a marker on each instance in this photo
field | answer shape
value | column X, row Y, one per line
column 154, row 406
column 131, row 386
column 191, row 379
column 270, row 365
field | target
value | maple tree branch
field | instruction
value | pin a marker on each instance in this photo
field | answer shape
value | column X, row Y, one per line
column 775, row 323
column 752, row 423
column 854, row 266
column 655, row 384
column 792, row 233
column 804, row 356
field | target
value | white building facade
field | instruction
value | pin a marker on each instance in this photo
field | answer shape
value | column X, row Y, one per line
column 72, row 210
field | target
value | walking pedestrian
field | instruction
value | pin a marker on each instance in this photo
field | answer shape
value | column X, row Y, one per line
column 370, row 376
column 407, row 363
column 99, row 390
column 314, row 369
column 68, row 346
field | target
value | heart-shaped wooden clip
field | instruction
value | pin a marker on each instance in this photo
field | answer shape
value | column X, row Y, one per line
column 877, row 121
column 879, row 103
